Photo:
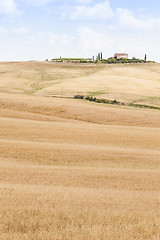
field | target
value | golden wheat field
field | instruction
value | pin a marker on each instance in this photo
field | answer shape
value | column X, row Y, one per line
column 77, row 170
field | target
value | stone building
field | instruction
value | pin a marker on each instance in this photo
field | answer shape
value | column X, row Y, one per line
column 120, row 55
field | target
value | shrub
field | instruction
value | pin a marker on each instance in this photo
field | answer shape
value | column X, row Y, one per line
column 79, row 97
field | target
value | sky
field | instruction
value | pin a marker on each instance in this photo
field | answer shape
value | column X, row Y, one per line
column 46, row 29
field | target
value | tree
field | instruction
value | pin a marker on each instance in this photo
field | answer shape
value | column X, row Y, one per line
column 101, row 55
column 98, row 56
column 145, row 58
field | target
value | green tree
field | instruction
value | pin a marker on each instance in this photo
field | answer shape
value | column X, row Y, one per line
column 145, row 58
column 101, row 56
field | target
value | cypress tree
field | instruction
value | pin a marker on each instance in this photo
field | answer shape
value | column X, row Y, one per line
column 101, row 55
column 145, row 58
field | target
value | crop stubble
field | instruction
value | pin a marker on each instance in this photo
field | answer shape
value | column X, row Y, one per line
column 78, row 170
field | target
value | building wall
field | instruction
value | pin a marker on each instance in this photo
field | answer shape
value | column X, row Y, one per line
column 120, row 55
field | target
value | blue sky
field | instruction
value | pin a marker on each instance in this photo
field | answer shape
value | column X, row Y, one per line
column 40, row 29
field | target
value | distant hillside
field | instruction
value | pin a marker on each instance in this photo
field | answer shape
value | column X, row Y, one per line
column 134, row 83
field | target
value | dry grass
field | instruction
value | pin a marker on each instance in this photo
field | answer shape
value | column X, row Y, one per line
column 73, row 170
column 137, row 83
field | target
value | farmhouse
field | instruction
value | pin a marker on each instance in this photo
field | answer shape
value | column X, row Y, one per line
column 120, row 55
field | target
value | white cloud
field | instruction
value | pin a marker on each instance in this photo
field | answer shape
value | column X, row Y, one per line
column 39, row 2
column 81, row 1
column 7, row 6
column 98, row 11
column 44, row 2
column 62, row 39
column 126, row 19
column 20, row 30
column 91, row 40
column 52, row 38
column 3, row 30
column 67, row 39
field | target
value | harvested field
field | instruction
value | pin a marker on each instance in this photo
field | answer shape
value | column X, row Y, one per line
column 72, row 169
column 135, row 83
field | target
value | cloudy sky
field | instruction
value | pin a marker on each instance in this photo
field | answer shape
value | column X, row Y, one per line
column 40, row 29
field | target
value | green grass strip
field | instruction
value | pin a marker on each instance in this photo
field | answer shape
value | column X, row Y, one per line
column 115, row 102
